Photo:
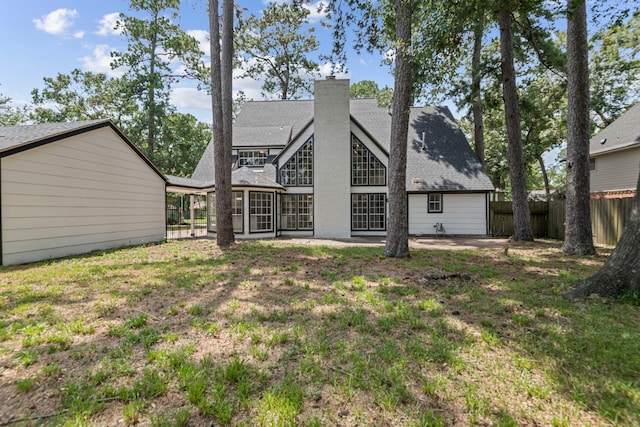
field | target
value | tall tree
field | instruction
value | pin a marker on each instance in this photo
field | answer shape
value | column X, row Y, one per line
column 397, row 244
column 521, row 212
column 370, row 89
column 578, row 234
column 83, row 95
column 621, row 272
column 274, row 49
column 221, row 39
column 476, row 77
column 154, row 43
column 11, row 116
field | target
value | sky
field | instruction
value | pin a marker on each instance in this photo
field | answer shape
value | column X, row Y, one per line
column 41, row 38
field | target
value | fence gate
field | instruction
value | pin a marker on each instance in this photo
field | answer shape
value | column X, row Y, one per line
column 183, row 221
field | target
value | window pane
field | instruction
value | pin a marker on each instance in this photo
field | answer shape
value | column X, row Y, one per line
column 305, row 212
column 260, row 211
column 359, row 156
column 252, row 158
column 366, row 169
column 236, row 211
column 359, row 217
column 305, row 164
column 377, row 211
column 435, row 203
column 288, row 211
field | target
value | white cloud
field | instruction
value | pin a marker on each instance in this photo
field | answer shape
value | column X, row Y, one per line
column 100, row 62
column 57, row 21
column 328, row 70
column 78, row 34
column 203, row 40
column 108, row 25
column 314, row 14
column 190, row 98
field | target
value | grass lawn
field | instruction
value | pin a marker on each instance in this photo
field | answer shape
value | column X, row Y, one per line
column 267, row 333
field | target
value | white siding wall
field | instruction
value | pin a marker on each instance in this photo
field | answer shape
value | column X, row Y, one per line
column 332, row 167
column 79, row 194
column 616, row 171
column 462, row 214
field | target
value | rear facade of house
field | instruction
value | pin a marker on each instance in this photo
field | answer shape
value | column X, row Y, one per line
column 318, row 168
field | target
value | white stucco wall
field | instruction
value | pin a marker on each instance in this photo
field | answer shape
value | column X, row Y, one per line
column 86, row 192
column 332, row 160
column 462, row 214
column 616, row 171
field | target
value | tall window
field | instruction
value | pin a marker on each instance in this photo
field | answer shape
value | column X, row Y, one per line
column 366, row 169
column 368, row 212
column 296, row 212
column 260, row 212
column 236, row 211
column 435, row 203
column 252, row 158
column 298, row 171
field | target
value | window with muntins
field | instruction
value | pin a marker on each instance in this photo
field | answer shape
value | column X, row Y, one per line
column 368, row 212
column 366, row 169
column 252, row 158
column 298, row 170
column 296, row 212
column 236, row 211
column 435, row 203
column 260, row 212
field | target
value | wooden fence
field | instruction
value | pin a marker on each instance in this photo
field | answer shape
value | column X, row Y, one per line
column 608, row 218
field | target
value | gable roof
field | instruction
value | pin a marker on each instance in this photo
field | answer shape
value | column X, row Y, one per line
column 15, row 139
column 623, row 133
column 447, row 162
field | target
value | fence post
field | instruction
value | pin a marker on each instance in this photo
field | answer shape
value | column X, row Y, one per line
column 192, row 217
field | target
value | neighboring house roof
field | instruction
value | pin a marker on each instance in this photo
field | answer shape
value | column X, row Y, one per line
column 15, row 139
column 623, row 133
column 447, row 162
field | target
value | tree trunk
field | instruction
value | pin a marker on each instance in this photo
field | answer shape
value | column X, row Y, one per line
column 478, row 127
column 220, row 89
column 545, row 177
column 578, row 235
column 151, row 97
column 621, row 273
column 397, row 244
column 521, row 212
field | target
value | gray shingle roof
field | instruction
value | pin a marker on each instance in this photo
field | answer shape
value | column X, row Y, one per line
column 446, row 164
column 23, row 137
column 16, row 136
column 623, row 133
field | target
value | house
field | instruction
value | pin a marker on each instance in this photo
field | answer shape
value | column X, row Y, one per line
column 615, row 157
column 70, row 188
column 319, row 168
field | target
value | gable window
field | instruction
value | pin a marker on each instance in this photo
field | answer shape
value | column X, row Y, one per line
column 435, row 203
column 236, row 211
column 298, row 170
column 260, row 212
column 368, row 212
column 252, row 158
column 366, row 169
column 296, row 212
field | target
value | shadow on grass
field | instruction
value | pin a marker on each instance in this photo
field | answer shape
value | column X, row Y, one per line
column 340, row 334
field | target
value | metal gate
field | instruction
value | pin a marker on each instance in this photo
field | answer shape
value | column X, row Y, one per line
column 186, row 215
